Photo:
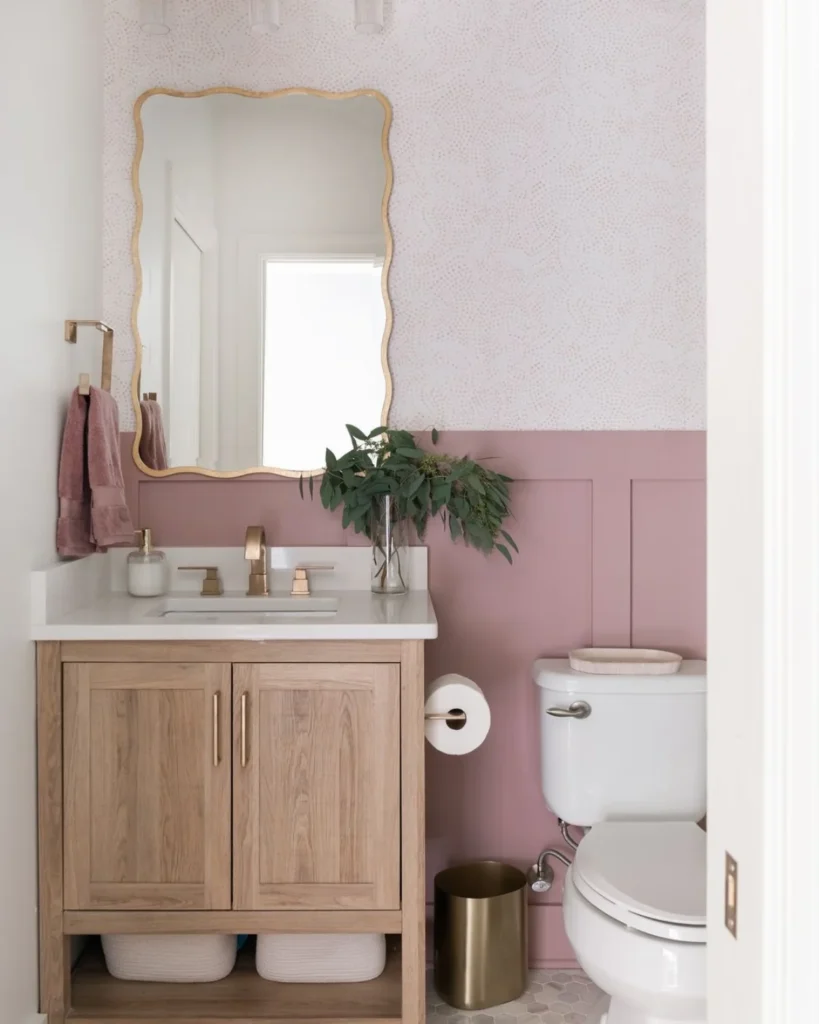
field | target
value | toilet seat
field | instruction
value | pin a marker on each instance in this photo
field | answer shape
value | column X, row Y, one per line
column 650, row 876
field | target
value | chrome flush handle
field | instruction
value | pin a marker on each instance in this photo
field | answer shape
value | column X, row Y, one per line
column 580, row 709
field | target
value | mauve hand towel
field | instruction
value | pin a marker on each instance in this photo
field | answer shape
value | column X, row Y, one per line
column 74, row 524
column 110, row 519
column 152, row 442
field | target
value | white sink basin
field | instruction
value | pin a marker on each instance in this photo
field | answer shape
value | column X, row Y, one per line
column 251, row 609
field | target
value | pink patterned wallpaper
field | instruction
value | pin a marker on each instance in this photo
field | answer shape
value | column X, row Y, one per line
column 611, row 527
column 549, row 203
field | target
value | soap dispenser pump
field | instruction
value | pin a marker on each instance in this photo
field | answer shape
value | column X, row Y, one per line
column 147, row 568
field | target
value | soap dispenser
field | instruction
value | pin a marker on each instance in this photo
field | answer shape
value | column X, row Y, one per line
column 147, row 569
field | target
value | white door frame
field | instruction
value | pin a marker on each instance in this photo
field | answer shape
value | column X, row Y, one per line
column 763, row 564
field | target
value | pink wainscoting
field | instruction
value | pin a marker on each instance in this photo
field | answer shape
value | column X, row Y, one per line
column 611, row 527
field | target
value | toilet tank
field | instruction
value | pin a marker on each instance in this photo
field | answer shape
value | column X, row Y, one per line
column 640, row 754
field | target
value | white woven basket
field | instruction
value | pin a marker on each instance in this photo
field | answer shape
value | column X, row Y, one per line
column 177, row 958
column 320, row 958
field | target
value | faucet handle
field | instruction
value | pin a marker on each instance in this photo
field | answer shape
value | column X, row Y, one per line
column 212, row 583
column 301, row 581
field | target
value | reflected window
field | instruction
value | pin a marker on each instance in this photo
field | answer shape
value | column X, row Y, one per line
column 323, row 328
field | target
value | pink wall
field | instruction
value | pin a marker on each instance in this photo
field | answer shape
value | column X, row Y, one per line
column 611, row 527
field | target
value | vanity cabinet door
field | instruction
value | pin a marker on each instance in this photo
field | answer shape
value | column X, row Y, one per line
column 316, row 787
column 147, row 786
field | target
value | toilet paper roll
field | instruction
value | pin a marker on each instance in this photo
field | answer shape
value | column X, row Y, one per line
column 457, row 693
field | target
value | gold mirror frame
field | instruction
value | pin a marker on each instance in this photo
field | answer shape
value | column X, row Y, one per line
column 140, row 146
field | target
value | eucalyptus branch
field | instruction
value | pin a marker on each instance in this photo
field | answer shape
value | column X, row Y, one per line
column 471, row 500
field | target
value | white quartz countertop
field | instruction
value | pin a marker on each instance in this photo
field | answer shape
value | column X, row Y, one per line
column 361, row 615
column 84, row 601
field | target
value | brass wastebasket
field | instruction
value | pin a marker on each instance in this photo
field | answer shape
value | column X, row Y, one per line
column 480, row 935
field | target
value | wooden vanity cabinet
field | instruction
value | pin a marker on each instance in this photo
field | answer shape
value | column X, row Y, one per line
column 146, row 787
column 238, row 787
column 316, row 787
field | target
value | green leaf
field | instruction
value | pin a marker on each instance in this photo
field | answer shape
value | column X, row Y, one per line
column 474, row 482
column 411, row 453
column 301, row 487
column 435, row 435
column 376, row 432
column 330, row 459
column 355, row 434
column 461, row 507
column 312, row 479
column 509, row 541
column 455, row 530
column 413, row 485
column 505, row 552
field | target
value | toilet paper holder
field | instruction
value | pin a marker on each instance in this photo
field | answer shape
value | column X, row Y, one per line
column 446, row 716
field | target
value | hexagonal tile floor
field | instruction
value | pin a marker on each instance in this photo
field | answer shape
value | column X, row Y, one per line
column 553, row 997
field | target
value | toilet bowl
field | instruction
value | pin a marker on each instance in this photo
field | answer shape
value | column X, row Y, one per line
column 634, row 912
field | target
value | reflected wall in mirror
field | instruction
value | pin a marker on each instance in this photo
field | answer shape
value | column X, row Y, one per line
column 262, row 249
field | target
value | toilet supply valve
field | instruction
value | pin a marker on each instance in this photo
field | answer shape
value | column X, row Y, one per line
column 541, row 876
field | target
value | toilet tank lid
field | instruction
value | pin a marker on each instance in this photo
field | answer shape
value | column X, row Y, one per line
column 557, row 675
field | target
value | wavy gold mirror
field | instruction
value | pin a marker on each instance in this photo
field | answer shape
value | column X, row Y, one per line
column 262, row 249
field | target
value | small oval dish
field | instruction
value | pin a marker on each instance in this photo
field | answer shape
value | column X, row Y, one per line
column 624, row 661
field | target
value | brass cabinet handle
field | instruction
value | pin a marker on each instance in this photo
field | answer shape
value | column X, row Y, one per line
column 216, row 730
column 244, row 730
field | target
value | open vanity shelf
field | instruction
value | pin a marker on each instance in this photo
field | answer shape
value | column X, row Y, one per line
column 243, row 995
column 231, row 787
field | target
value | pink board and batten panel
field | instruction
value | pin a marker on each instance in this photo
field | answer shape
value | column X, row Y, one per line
column 611, row 528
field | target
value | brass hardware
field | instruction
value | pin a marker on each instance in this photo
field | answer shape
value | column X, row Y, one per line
column 301, row 581
column 212, row 583
column 731, row 893
column 84, row 386
column 149, row 396
column 256, row 554
column 138, row 220
column 579, row 709
column 216, row 730
column 107, row 349
column 480, row 935
column 244, row 730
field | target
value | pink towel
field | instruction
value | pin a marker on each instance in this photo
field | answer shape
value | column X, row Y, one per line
column 110, row 519
column 152, row 442
column 74, row 524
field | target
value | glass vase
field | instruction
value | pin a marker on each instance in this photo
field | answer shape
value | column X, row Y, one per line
column 390, row 537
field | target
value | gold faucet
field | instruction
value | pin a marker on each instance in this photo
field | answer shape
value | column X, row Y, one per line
column 256, row 554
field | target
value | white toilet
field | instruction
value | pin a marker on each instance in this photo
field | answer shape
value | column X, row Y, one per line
column 626, row 756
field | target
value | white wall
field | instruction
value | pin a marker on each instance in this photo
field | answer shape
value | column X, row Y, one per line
column 176, row 177
column 298, row 166
column 50, row 254
column 549, row 202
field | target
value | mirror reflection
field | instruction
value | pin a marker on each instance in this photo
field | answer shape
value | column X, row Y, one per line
column 263, row 248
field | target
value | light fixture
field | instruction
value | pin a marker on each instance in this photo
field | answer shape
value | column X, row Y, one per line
column 265, row 16
column 153, row 17
column 369, row 16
